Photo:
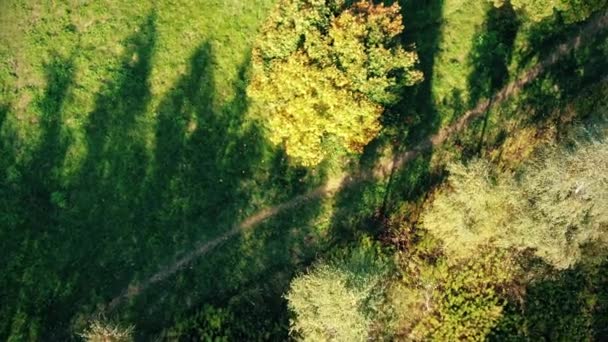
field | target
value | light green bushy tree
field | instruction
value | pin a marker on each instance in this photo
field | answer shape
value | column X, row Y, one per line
column 338, row 300
column 568, row 196
column 557, row 206
column 478, row 208
column 326, row 308
column 322, row 72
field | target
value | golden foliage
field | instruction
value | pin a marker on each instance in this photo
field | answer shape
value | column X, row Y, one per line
column 322, row 74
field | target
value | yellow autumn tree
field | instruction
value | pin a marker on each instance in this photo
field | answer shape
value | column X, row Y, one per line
column 322, row 73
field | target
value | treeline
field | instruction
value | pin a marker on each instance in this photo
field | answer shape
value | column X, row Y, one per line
column 485, row 236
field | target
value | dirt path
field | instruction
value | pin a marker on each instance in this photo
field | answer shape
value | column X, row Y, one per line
column 381, row 170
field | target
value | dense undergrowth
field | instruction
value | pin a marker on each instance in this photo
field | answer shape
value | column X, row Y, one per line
column 125, row 142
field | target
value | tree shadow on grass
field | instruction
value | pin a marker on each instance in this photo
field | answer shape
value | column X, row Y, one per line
column 10, row 235
column 7, row 162
column 364, row 207
column 491, row 56
column 143, row 199
column 418, row 110
column 86, row 214
column 202, row 152
column 580, row 68
column 492, row 52
column 30, row 272
column 70, row 233
column 214, row 169
column 416, row 116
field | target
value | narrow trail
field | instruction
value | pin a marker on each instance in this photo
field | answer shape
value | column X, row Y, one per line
column 380, row 171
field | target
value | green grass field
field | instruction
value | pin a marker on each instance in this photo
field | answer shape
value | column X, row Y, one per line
column 125, row 143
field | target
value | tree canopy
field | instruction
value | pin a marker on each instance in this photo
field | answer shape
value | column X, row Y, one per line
column 338, row 300
column 555, row 207
column 467, row 299
column 323, row 72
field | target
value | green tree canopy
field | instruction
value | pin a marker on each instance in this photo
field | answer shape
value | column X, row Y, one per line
column 468, row 298
column 339, row 300
column 322, row 73
column 557, row 206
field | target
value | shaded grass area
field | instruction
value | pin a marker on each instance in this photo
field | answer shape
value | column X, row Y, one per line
column 444, row 33
column 110, row 173
column 564, row 95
